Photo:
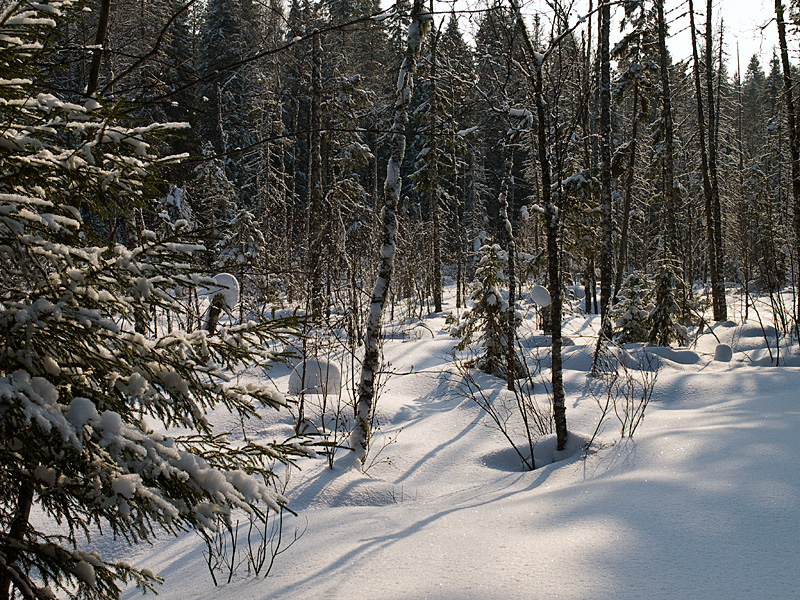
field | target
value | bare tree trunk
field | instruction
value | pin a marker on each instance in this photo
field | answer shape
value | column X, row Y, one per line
column 16, row 533
column 552, row 218
column 103, row 16
column 607, row 244
column 669, row 144
column 435, row 209
column 707, row 186
column 626, row 205
column 717, row 294
column 316, row 210
column 794, row 138
column 511, row 324
column 421, row 21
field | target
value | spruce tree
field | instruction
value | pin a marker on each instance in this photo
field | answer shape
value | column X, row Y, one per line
column 83, row 384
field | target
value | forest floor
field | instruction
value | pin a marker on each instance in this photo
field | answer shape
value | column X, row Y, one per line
column 702, row 502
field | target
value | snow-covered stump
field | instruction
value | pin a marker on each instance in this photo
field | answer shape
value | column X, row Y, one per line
column 315, row 376
column 224, row 294
column 723, row 353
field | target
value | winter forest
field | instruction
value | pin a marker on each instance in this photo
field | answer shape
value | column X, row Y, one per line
column 354, row 299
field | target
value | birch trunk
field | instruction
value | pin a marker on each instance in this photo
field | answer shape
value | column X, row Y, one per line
column 421, row 21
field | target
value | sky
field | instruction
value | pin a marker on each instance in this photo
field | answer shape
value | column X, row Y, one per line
column 743, row 21
column 747, row 23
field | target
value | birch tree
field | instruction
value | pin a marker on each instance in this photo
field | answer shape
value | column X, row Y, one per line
column 421, row 22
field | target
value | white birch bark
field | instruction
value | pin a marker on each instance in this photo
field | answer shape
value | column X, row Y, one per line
column 421, row 20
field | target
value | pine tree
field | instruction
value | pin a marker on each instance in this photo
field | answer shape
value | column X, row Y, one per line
column 80, row 386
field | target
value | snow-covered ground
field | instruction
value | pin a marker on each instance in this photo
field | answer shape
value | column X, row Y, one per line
column 703, row 502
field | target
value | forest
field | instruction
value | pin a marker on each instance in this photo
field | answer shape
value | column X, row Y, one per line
column 196, row 194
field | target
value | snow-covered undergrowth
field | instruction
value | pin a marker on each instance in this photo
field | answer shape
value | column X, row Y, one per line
column 703, row 501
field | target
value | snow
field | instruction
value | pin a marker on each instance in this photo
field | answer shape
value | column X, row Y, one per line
column 540, row 296
column 723, row 353
column 227, row 286
column 315, row 376
column 702, row 502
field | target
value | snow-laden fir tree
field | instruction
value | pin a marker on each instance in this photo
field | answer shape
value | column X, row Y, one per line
column 664, row 321
column 630, row 314
column 487, row 321
column 80, row 390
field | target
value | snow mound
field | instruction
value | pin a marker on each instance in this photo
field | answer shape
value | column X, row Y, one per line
column 678, row 356
column 723, row 353
column 540, row 296
column 315, row 376
column 333, row 488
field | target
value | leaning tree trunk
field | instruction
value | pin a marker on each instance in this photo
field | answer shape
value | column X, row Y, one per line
column 99, row 47
column 421, row 21
column 794, row 139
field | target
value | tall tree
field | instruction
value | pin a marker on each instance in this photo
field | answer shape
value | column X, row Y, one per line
column 670, row 191
column 794, row 137
column 717, row 284
column 718, row 293
column 82, row 389
column 552, row 216
column 607, row 243
column 421, row 21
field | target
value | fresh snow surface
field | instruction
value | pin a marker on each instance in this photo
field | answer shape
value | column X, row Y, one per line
column 703, row 502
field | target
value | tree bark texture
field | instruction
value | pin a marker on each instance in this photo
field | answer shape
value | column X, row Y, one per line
column 626, row 204
column 103, row 16
column 718, row 294
column 16, row 533
column 552, row 217
column 671, row 198
column 607, row 243
column 317, row 212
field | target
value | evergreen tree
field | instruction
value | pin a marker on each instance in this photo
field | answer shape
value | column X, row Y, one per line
column 80, row 387
column 632, row 310
column 664, row 321
column 487, row 321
